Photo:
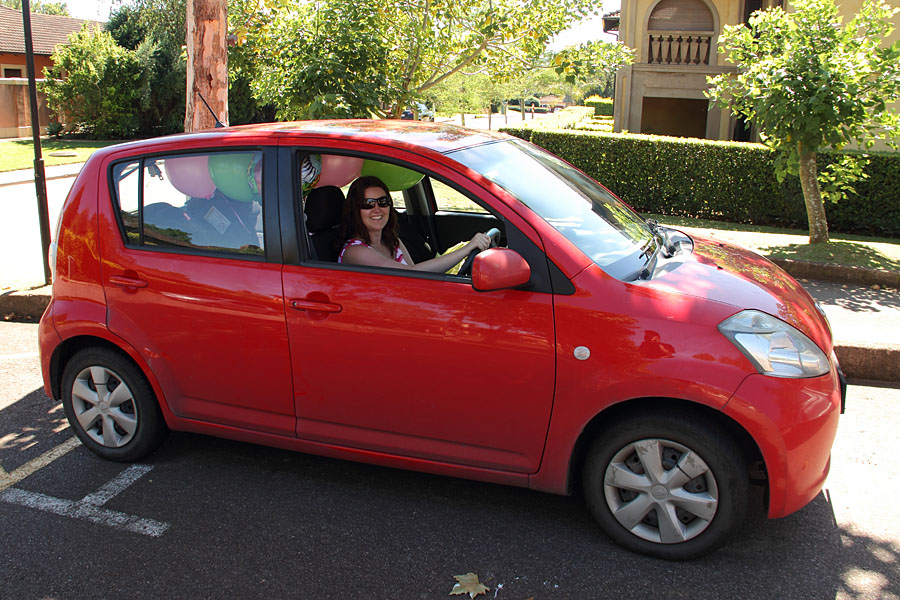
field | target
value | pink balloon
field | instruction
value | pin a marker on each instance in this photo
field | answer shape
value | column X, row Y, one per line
column 190, row 175
column 257, row 177
column 339, row 170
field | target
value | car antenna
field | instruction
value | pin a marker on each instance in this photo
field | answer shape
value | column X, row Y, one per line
column 218, row 122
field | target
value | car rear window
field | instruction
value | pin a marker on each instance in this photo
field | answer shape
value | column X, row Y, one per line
column 203, row 201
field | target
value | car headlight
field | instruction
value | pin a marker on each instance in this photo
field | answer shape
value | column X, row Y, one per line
column 774, row 347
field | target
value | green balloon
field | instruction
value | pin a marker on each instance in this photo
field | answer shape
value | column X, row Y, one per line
column 394, row 177
column 233, row 175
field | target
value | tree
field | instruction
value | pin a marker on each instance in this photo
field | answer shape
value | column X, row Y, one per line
column 343, row 57
column 158, row 26
column 158, row 47
column 316, row 60
column 207, row 65
column 809, row 84
column 37, row 6
column 96, row 84
column 463, row 93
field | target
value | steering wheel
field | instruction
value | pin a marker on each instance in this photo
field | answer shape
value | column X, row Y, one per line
column 466, row 269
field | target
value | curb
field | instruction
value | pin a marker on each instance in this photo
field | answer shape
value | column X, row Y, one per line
column 26, row 305
column 839, row 273
column 52, row 172
column 869, row 362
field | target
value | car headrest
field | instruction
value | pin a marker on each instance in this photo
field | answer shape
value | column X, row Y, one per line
column 323, row 208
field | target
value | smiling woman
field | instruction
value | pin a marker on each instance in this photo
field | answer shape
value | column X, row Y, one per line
column 370, row 231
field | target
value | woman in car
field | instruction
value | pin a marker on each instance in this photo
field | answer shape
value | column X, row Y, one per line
column 369, row 227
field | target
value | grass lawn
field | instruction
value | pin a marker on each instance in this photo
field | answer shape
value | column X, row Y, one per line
column 842, row 249
column 19, row 154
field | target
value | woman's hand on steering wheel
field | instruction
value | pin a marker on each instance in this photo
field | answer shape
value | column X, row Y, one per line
column 479, row 242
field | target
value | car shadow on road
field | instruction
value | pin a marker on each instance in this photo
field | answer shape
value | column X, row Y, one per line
column 400, row 521
column 29, row 427
column 294, row 517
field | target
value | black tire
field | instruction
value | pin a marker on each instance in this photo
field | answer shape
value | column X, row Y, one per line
column 122, row 423
column 638, row 484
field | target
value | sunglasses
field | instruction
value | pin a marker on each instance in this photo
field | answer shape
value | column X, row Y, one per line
column 383, row 202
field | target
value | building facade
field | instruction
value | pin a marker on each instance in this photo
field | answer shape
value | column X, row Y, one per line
column 675, row 43
column 48, row 31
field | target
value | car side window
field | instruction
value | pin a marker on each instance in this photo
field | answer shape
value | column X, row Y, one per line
column 451, row 200
column 211, row 202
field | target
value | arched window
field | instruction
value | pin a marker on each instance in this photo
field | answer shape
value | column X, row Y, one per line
column 681, row 15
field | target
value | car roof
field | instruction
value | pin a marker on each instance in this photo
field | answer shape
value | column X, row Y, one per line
column 438, row 137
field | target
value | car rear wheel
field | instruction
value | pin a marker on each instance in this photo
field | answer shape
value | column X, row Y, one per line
column 668, row 486
column 111, row 406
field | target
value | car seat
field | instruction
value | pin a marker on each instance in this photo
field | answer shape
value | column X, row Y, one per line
column 417, row 245
column 324, row 206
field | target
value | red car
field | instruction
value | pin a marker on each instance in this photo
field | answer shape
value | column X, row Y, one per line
column 196, row 288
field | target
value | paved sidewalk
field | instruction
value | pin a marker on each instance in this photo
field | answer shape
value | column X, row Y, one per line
column 50, row 173
column 863, row 305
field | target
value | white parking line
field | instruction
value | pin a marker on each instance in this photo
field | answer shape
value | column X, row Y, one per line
column 88, row 508
column 11, row 479
column 18, row 356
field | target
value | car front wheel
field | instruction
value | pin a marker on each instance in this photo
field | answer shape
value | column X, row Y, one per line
column 111, row 406
column 668, row 486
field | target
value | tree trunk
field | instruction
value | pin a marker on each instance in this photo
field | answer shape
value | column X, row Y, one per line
column 207, row 64
column 812, row 196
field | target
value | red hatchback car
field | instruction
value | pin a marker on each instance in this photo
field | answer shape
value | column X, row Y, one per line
column 196, row 288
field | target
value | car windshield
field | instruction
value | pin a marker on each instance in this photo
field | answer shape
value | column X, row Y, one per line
column 615, row 237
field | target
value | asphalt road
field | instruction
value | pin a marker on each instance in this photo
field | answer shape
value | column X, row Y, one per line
column 207, row 518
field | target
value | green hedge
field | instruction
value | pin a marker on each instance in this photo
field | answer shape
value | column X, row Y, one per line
column 603, row 107
column 725, row 181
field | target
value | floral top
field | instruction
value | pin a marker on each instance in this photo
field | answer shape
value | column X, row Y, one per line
column 398, row 253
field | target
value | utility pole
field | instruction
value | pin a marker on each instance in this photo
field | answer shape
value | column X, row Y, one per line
column 207, row 64
column 40, row 182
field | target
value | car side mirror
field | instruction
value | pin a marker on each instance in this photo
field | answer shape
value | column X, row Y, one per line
column 499, row 268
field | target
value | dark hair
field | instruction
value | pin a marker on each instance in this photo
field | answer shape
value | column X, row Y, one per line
column 351, row 223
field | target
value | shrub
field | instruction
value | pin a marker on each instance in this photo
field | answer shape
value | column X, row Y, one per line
column 96, row 84
column 725, row 181
column 55, row 128
column 603, row 107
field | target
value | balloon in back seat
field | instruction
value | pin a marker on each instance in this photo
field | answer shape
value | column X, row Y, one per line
column 190, row 175
column 233, row 174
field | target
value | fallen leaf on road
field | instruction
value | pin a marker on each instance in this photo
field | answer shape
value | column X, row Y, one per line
column 468, row 584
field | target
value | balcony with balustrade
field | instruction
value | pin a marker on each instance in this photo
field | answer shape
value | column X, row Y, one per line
column 679, row 47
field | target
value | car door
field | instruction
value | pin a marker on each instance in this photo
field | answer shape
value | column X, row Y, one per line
column 421, row 365
column 193, row 283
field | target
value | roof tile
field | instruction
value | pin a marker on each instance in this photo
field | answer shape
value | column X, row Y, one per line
column 47, row 31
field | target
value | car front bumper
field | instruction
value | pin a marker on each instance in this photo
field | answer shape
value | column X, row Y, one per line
column 794, row 423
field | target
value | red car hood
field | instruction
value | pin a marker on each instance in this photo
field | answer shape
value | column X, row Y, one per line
column 732, row 275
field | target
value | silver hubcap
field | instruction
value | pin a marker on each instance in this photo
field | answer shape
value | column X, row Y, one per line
column 104, row 407
column 661, row 491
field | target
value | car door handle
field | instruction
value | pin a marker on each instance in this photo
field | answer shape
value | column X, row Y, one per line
column 124, row 281
column 321, row 306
